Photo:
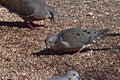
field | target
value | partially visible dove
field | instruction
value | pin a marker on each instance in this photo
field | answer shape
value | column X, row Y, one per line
column 30, row 10
column 73, row 39
column 69, row 75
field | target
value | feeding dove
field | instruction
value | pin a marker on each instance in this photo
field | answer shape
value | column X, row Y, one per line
column 74, row 39
column 30, row 10
column 69, row 75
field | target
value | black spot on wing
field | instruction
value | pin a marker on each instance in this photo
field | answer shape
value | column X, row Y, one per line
column 88, row 32
column 78, row 34
column 84, row 30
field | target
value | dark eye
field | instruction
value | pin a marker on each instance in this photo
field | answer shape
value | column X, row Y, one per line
column 49, row 42
column 73, row 74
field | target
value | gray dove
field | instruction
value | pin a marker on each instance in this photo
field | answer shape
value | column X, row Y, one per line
column 30, row 10
column 73, row 39
column 69, row 75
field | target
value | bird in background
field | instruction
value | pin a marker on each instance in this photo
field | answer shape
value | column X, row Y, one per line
column 74, row 39
column 30, row 10
column 68, row 75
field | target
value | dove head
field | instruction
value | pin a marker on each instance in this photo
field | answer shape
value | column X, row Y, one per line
column 50, row 13
column 50, row 41
column 72, row 75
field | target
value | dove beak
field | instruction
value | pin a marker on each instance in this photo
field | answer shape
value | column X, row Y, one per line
column 52, row 17
column 46, row 47
column 79, row 78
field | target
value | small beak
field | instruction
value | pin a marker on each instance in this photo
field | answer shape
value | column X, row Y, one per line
column 79, row 78
column 46, row 47
column 52, row 19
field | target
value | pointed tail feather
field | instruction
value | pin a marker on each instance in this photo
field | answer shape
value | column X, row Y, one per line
column 112, row 34
column 103, row 32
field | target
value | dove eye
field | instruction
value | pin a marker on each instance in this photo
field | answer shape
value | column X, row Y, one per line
column 73, row 74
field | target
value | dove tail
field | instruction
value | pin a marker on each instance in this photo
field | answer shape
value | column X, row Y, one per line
column 102, row 32
column 112, row 34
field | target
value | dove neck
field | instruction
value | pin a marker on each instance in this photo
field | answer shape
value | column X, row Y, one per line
column 55, row 37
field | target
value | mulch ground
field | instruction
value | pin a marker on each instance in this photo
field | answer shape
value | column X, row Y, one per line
column 22, row 55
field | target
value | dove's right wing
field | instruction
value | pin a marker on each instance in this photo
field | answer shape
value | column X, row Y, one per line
column 25, row 8
column 75, row 37
column 21, row 7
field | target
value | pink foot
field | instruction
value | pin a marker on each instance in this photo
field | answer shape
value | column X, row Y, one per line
column 78, row 52
column 32, row 25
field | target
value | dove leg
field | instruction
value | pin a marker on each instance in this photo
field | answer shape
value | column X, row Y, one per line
column 31, row 25
column 78, row 52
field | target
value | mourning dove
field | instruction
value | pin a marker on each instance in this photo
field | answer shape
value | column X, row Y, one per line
column 30, row 10
column 73, row 39
column 69, row 75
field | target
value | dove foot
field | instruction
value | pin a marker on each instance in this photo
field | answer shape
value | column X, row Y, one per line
column 32, row 25
column 79, row 51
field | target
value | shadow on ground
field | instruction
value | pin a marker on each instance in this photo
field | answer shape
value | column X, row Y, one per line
column 17, row 24
column 52, row 52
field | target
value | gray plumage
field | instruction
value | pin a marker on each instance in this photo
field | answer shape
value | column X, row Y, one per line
column 73, row 39
column 30, row 10
column 69, row 75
